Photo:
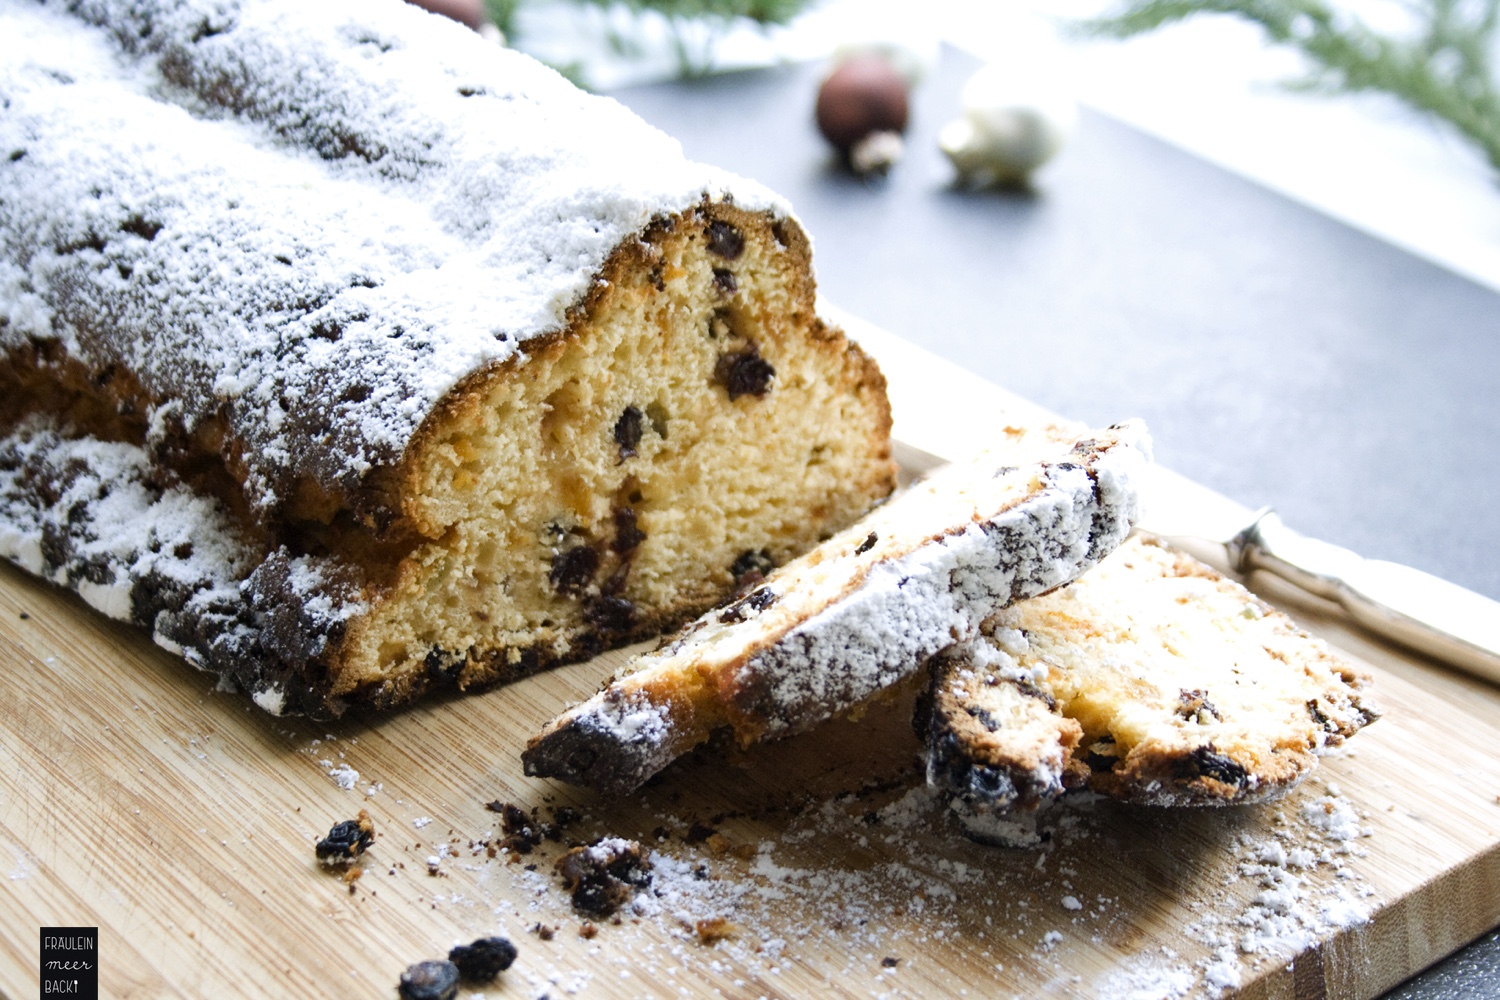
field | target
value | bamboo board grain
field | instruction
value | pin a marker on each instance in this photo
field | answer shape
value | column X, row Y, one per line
column 180, row 821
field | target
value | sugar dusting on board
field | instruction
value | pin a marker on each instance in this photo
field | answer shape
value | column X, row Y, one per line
column 881, row 881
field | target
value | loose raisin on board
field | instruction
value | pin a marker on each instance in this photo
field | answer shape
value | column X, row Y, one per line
column 483, row 960
column 347, row 839
column 604, row 876
column 429, row 981
column 522, row 833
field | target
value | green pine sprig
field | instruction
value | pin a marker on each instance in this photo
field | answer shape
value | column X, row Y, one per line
column 717, row 15
column 1443, row 69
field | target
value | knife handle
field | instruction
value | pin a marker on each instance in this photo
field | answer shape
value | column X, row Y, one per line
column 1415, row 609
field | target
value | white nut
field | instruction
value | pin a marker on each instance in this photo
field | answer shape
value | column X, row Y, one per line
column 1016, row 118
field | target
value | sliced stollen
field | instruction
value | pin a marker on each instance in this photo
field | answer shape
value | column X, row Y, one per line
column 865, row 609
column 1151, row 679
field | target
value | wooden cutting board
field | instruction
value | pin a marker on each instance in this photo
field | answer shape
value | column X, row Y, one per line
column 181, row 821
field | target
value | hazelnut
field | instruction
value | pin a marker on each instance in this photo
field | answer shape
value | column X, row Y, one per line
column 862, row 110
column 467, row 12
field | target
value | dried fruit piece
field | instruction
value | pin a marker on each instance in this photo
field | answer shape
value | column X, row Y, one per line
column 725, row 240
column 604, row 875
column 429, row 981
column 628, row 431
column 573, row 569
column 483, row 960
column 347, row 839
column 744, row 373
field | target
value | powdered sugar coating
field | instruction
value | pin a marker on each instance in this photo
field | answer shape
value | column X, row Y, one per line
column 296, row 216
column 137, row 545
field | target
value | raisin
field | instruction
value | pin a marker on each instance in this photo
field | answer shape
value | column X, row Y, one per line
column 985, row 718
column 521, row 833
column 725, row 281
column 1194, row 705
column 483, row 960
column 604, row 876
column 610, row 614
column 725, row 240
column 755, row 601
column 138, row 225
column 889, row 963
column 752, row 561
column 347, row 839
column 1208, row 762
column 572, row 570
column 429, row 981
column 761, row 599
column 744, row 373
column 867, row 544
column 628, row 431
column 628, row 534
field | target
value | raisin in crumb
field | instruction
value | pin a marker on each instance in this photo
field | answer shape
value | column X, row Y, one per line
column 347, row 839
column 609, row 614
column 483, row 960
column 1195, row 707
column 867, row 544
column 429, row 981
column 604, row 876
column 725, row 281
column 628, row 431
column 572, row 570
column 725, row 240
column 744, row 373
column 628, row 534
column 752, row 561
column 522, row 833
column 1208, row 762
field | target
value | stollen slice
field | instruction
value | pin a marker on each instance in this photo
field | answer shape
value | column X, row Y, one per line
column 1151, row 679
column 823, row 633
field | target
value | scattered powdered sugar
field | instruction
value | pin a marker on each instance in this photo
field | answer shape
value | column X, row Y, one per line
column 344, row 776
column 877, row 881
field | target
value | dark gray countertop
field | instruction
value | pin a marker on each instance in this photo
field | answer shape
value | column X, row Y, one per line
column 1280, row 357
